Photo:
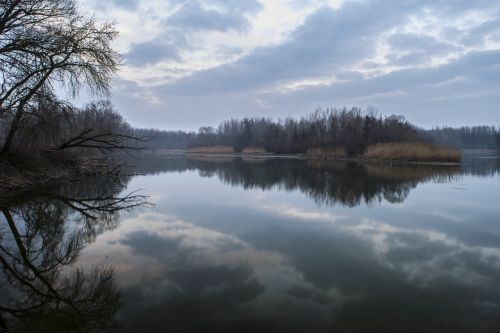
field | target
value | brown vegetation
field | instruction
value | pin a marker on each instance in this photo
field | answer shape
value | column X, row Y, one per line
column 211, row 150
column 412, row 151
column 254, row 150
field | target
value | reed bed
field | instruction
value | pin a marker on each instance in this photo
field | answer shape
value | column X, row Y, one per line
column 211, row 150
column 254, row 150
column 412, row 151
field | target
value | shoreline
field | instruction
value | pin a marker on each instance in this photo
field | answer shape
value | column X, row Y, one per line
column 20, row 174
column 308, row 157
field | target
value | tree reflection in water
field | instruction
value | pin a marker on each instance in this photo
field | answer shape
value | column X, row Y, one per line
column 330, row 183
column 41, row 238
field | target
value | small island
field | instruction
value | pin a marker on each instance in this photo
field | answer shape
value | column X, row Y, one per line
column 329, row 134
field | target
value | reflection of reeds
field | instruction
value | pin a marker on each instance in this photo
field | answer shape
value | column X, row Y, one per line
column 405, row 172
column 420, row 173
column 254, row 160
column 208, row 158
column 412, row 151
column 211, row 150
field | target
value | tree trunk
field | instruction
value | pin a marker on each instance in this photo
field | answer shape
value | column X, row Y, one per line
column 13, row 129
column 20, row 111
column 3, row 325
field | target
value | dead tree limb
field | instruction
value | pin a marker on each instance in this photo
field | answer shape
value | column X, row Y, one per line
column 104, row 142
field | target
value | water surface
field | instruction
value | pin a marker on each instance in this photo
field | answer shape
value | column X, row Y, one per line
column 275, row 245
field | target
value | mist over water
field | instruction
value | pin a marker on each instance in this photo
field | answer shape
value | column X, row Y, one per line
column 278, row 245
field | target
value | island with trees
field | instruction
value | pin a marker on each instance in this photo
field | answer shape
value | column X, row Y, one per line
column 330, row 133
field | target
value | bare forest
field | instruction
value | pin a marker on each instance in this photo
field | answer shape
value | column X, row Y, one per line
column 350, row 130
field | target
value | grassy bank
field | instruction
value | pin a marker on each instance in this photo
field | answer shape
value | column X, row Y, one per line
column 412, row 151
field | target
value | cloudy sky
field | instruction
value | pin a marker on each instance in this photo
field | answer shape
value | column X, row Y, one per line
column 189, row 63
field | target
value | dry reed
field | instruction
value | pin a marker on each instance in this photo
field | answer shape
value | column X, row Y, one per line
column 412, row 151
column 211, row 150
column 254, row 150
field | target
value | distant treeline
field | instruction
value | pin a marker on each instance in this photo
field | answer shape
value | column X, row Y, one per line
column 350, row 129
column 475, row 137
column 160, row 139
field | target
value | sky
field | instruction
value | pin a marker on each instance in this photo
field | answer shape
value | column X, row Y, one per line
column 189, row 63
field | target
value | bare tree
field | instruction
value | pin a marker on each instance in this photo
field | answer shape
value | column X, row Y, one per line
column 45, row 43
column 40, row 241
column 99, row 127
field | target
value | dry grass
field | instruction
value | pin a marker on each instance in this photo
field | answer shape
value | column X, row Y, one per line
column 211, row 150
column 412, row 151
column 327, row 152
column 254, row 150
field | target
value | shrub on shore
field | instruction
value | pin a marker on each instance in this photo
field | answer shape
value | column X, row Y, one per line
column 412, row 151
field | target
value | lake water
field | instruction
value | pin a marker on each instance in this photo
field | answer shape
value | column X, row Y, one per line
column 246, row 245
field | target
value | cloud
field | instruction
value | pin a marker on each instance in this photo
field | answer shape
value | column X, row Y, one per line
column 250, row 6
column 151, row 52
column 475, row 66
column 426, row 59
column 413, row 48
column 127, row 4
column 326, row 41
column 196, row 16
